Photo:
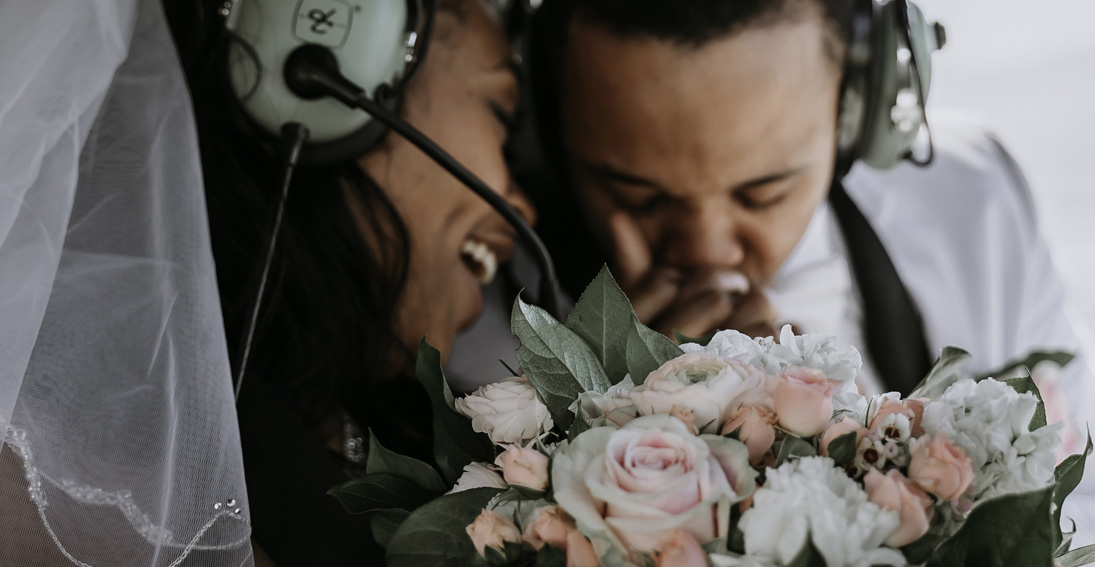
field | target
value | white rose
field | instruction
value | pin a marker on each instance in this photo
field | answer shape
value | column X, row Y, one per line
column 629, row 489
column 509, row 411
column 810, row 499
column 699, row 383
column 478, row 475
column 614, row 407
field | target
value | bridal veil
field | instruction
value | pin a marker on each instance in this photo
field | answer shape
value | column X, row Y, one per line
column 119, row 437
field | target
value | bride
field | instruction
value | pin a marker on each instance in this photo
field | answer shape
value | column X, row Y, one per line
column 375, row 253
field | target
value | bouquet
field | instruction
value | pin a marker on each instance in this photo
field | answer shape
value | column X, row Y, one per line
column 615, row 446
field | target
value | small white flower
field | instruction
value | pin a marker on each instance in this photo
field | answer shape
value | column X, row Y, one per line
column 812, row 500
column 990, row 421
column 870, row 454
column 509, row 411
column 895, row 426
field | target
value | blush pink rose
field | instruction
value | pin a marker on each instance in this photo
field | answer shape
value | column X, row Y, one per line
column 893, row 491
column 681, row 550
column 842, row 426
column 912, row 408
column 554, row 527
column 756, row 428
column 524, row 466
column 803, row 400
column 492, row 530
column 635, row 486
column 704, row 385
column 940, row 467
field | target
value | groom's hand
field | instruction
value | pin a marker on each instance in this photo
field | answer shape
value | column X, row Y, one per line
column 667, row 300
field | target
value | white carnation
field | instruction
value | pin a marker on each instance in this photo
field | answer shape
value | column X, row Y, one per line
column 817, row 351
column 990, row 421
column 730, row 344
column 811, row 499
column 509, row 411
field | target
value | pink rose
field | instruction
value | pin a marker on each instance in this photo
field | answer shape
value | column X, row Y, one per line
column 524, row 466
column 554, row 527
column 842, row 426
column 756, row 428
column 636, row 485
column 803, row 399
column 914, row 507
column 681, row 550
column 940, row 467
column 704, row 385
column 912, row 408
column 491, row 530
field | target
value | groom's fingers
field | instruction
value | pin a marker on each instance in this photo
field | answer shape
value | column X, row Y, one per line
column 654, row 294
column 632, row 254
column 696, row 315
column 754, row 316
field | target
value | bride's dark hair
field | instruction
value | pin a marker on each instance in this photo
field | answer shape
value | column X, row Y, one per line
column 324, row 340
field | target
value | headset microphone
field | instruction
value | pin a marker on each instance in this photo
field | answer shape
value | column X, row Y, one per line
column 311, row 72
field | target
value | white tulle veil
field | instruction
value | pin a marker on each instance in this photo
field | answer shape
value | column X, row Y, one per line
column 120, row 442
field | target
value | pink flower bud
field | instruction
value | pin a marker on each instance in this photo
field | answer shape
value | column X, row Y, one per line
column 842, row 426
column 580, row 552
column 912, row 408
column 491, row 530
column 756, row 428
column 525, row 466
column 681, row 550
column 940, row 467
column 914, row 507
column 803, row 400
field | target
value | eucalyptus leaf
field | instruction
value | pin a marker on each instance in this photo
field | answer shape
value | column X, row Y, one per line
column 647, row 350
column 455, row 443
column 702, row 341
column 942, row 375
column 1067, row 476
column 381, row 460
column 598, row 317
column 1066, row 542
column 380, row 491
column 556, row 360
column 1024, row 385
column 1078, row 557
column 1060, row 358
column 435, row 534
column 842, row 449
column 384, row 523
column 794, row 447
column 1015, row 530
column 550, row 556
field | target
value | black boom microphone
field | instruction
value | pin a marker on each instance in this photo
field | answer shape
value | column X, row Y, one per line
column 311, row 72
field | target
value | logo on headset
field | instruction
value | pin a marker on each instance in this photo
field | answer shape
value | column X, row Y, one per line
column 326, row 22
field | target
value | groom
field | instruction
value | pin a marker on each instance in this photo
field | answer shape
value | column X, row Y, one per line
column 698, row 145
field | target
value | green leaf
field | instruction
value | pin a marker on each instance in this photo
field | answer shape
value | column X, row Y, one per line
column 384, row 524
column 455, row 443
column 942, row 375
column 1024, row 385
column 1061, row 358
column 1067, row 476
column 556, row 360
column 1078, row 557
column 578, row 427
column 598, row 317
column 842, row 449
column 381, row 460
column 381, row 491
column 647, row 350
column 702, row 341
column 1066, row 542
column 794, row 447
column 1015, row 530
column 435, row 533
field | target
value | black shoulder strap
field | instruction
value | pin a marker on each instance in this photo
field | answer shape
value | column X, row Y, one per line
column 893, row 330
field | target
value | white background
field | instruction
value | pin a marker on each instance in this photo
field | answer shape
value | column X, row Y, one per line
column 1027, row 69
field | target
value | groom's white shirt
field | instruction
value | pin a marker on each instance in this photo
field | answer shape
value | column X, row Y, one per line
column 964, row 237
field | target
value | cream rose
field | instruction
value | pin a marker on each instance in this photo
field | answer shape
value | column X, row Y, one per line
column 842, row 426
column 756, row 428
column 914, row 508
column 803, row 399
column 509, row 411
column 940, row 467
column 696, row 382
column 524, row 466
column 553, row 526
column 629, row 489
column 492, row 530
column 681, row 550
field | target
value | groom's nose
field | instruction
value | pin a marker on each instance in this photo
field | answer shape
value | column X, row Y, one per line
column 704, row 238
